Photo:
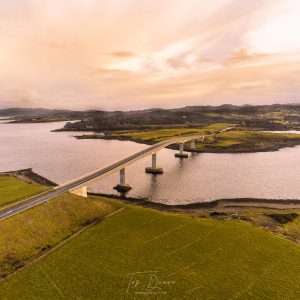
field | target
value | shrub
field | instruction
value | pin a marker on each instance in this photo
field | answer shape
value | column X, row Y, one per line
column 284, row 218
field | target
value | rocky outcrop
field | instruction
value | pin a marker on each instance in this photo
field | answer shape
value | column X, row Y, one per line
column 29, row 176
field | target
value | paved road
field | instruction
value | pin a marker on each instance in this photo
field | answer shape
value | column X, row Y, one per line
column 59, row 190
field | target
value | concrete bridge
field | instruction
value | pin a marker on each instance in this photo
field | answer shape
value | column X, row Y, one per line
column 80, row 183
column 78, row 186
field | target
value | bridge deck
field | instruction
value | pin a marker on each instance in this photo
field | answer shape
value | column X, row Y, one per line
column 88, row 178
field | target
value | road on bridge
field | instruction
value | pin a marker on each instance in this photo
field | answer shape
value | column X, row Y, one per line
column 76, row 183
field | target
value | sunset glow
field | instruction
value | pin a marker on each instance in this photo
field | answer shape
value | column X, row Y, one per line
column 131, row 54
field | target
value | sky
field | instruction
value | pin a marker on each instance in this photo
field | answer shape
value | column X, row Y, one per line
column 134, row 54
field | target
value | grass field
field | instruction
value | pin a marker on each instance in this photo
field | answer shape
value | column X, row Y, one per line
column 259, row 216
column 192, row 259
column 238, row 140
column 254, row 140
column 13, row 189
column 34, row 231
column 163, row 134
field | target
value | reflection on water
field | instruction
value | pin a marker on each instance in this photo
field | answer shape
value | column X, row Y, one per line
column 201, row 177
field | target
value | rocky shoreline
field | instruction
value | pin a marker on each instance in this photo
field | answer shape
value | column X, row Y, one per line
column 236, row 203
column 29, row 176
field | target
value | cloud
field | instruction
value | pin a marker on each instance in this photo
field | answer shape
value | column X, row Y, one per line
column 124, row 54
column 55, row 45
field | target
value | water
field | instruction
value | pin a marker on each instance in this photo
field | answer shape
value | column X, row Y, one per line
column 203, row 177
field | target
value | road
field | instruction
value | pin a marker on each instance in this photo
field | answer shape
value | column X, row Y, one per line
column 76, row 183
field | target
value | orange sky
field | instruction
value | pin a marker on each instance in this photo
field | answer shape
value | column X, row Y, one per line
column 131, row 54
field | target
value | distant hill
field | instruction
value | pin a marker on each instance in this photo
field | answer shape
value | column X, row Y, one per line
column 34, row 112
column 275, row 117
column 201, row 108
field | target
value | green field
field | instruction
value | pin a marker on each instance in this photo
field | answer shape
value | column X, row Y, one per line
column 186, row 256
column 193, row 259
column 34, row 231
column 254, row 140
column 163, row 134
column 259, row 216
column 235, row 140
column 13, row 189
column 31, row 233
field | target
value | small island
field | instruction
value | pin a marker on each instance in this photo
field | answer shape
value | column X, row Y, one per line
column 254, row 128
column 236, row 140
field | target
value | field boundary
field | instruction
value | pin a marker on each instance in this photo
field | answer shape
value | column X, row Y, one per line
column 59, row 245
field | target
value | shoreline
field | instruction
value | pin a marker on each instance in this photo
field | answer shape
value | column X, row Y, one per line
column 274, row 148
column 28, row 175
column 230, row 203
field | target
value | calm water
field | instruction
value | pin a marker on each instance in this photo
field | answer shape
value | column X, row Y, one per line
column 203, row 177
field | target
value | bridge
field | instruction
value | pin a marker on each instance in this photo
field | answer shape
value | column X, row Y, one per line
column 78, row 186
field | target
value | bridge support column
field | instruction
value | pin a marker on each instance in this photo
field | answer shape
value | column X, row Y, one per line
column 81, row 191
column 192, row 148
column 154, row 169
column 193, row 145
column 122, row 187
column 181, row 154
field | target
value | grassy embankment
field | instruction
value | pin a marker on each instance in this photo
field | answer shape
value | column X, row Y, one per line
column 236, row 140
column 198, row 258
column 12, row 190
column 34, row 231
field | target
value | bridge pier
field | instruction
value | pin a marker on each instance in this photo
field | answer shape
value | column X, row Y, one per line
column 81, row 191
column 154, row 169
column 122, row 187
column 181, row 154
column 193, row 145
